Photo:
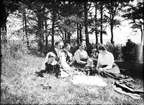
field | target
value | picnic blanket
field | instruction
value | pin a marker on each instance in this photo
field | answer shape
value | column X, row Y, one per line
column 88, row 80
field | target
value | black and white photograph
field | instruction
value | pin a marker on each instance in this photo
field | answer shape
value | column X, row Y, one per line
column 72, row 52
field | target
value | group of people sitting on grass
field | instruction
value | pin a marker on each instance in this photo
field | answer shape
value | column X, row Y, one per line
column 59, row 61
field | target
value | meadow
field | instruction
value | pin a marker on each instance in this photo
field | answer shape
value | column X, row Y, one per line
column 20, row 85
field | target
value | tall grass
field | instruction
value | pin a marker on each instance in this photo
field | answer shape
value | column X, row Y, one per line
column 20, row 85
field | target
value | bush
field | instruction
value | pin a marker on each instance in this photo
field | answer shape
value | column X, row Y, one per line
column 14, row 49
column 115, row 50
column 130, row 51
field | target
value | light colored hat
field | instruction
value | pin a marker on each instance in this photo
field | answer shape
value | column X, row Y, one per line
column 51, row 54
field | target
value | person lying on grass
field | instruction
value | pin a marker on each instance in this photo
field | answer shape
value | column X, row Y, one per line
column 105, row 65
column 50, row 65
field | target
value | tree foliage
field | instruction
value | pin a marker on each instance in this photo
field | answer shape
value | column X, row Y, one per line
column 64, row 17
column 136, row 15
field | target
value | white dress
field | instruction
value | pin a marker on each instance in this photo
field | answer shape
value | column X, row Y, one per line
column 108, row 59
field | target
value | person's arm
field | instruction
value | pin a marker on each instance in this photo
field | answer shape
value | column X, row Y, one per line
column 77, row 58
column 110, row 62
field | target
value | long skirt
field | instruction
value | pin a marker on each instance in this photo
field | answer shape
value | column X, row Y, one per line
column 114, row 72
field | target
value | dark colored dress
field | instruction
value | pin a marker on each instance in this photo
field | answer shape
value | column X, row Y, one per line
column 51, row 69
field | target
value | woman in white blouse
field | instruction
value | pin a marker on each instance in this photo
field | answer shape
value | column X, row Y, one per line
column 106, row 61
column 81, row 57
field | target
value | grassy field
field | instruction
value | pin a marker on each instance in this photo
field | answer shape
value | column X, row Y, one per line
column 19, row 85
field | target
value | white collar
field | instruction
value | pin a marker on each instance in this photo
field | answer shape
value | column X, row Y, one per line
column 54, row 63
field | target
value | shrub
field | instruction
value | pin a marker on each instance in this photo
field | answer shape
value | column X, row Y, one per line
column 14, row 49
column 115, row 50
column 130, row 51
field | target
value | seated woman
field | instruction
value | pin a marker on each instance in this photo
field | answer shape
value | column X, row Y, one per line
column 81, row 57
column 50, row 65
column 66, row 58
column 105, row 65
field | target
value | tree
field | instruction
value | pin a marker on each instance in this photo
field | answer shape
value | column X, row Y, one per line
column 101, row 21
column 79, row 15
column 135, row 14
column 86, row 22
column 6, row 8
column 114, row 7
column 24, row 17
column 69, row 19
column 96, row 24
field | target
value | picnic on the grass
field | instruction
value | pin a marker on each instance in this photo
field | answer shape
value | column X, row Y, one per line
column 77, row 52
column 84, row 68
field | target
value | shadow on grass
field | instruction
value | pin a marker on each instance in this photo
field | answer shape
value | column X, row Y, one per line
column 134, row 70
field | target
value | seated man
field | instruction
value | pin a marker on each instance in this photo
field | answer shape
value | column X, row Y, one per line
column 50, row 65
column 81, row 57
column 66, row 58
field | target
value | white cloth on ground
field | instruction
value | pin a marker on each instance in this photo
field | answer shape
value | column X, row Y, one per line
column 88, row 80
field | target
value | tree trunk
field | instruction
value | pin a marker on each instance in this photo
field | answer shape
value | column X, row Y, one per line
column 142, row 35
column 25, row 27
column 96, row 33
column 53, row 23
column 65, row 35
column 140, row 55
column 112, row 14
column 39, row 31
column 101, row 32
column 78, row 39
column 3, row 35
column 46, row 45
column 85, row 22
column 46, row 34
column 80, row 32
column 111, row 29
column 69, row 36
